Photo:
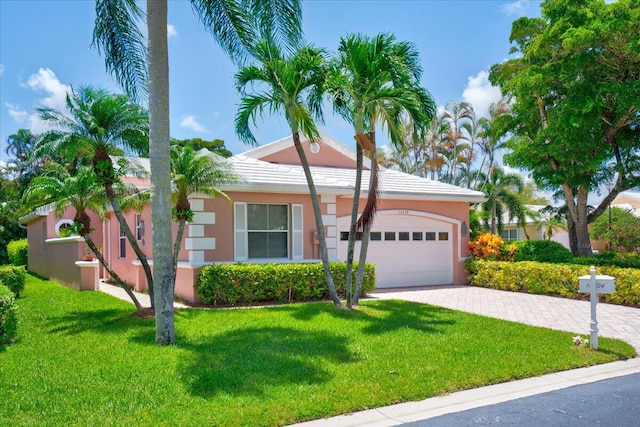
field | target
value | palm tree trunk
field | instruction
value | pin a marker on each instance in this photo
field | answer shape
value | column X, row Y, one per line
column 364, row 244
column 176, row 246
column 89, row 241
column 131, row 239
column 494, row 229
column 158, row 63
column 351, row 244
column 324, row 255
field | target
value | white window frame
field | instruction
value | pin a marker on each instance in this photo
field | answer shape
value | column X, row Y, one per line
column 139, row 236
column 122, row 243
column 295, row 232
column 507, row 234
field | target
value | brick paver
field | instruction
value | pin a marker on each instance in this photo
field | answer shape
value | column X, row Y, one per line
column 556, row 313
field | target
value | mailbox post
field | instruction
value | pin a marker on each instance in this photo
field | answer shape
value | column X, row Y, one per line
column 595, row 285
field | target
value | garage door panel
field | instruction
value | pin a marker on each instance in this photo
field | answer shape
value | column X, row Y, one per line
column 407, row 262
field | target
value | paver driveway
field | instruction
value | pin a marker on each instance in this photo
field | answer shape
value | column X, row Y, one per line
column 550, row 312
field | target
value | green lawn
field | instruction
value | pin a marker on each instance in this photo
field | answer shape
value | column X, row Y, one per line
column 81, row 359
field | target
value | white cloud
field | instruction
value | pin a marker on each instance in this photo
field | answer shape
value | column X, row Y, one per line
column 480, row 93
column 191, row 123
column 171, row 31
column 45, row 81
column 1, row 69
column 516, row 8
column 17, row 113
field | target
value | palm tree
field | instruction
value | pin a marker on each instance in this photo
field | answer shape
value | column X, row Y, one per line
column 98, row 124
column 502, row 191
column 295, row 88
column 454, row 116
column 376, row 82
column 234, row 25
column 194, row 172
column 83, row 193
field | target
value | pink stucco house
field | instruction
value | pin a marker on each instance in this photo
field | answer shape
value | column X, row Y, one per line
column 419, row 236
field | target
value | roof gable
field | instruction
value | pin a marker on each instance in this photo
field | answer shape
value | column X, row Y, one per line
column 331, row 154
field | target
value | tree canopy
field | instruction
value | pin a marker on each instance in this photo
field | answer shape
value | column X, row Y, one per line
column 575, row 85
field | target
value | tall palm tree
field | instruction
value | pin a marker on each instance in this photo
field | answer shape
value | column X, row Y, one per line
column 234, row 25
column 82, row 192
column 493, row 130
column 96, row 125
column 455, row 115
column 502, row 190
column 292, row 85
column 194, row 172
column 376, row 82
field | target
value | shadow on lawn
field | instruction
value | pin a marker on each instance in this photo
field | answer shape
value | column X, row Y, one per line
column 107, row 321
column 249, row 360
column 379, row 317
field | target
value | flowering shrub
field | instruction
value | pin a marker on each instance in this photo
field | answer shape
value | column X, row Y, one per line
column 487, row 246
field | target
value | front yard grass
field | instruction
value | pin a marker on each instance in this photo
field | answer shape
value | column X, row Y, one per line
column 81, row 359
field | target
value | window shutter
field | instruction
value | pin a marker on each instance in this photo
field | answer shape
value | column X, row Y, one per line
column 240, row 231
column 297, row 240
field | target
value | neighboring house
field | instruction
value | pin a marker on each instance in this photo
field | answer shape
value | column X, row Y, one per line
column 629, row 201
column 419, row 236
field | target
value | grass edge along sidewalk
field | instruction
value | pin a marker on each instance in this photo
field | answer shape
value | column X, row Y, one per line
column 81, row 359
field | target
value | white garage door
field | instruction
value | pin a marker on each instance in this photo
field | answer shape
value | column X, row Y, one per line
column 408, row 250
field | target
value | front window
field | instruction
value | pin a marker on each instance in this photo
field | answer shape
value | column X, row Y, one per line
column 268, row 230
column 509, row 235
column 122, row 253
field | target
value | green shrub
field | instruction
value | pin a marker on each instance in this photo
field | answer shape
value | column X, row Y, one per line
column 542, row 251
column 17, row 252
column 552, row 279
column 624, row 260
column 8, row 316
column 233, row 284
column 13, row 277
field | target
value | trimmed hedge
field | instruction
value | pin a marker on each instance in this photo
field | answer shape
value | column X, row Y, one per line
column 246, row 284
column 8, row 316
column 552, row 279
column 17, row 252
column 13, row 277
column 542, row 251
column 625, row 260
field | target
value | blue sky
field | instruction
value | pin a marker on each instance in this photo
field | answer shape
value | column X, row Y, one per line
column 45, row 48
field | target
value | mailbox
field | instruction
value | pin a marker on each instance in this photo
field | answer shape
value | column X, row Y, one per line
column 604, row 284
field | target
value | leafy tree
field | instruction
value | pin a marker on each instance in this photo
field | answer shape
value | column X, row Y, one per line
column 83, row 193
column 530, row 196
column 375, row 82
column 576, row 116
column 235, row 25
column 622, row 232
column 292, row 85
column 193, row 172
column 215, row 146
column 98, row 124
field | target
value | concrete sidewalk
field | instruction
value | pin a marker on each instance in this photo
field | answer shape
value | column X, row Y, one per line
column 409, row 412
column 119, row 293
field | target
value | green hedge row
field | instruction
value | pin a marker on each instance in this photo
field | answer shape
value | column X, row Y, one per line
column 8, row 316
column 552, row 279
column 234, row 284
column 13, row 277
column 625, row 260
column 17, row 252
